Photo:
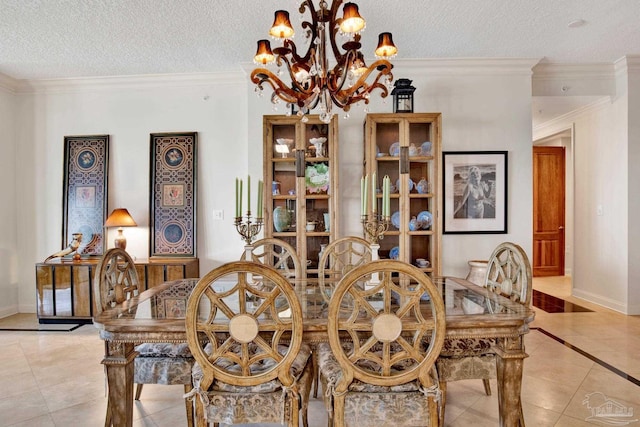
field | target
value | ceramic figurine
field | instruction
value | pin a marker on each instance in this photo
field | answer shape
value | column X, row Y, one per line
column 73, row 246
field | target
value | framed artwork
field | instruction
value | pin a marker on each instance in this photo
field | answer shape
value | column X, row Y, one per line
column 173, row 195
column 475, row 192
column 86, row 164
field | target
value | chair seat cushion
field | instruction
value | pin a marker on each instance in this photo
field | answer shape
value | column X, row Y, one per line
column 330, row 369
column 297, row 367
column 163, row 363
column 467, row 367
column 163, row 349
column 467, row 346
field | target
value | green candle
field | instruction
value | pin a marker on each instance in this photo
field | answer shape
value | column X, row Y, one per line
column 260, row 190
column 237, row 215
column 240, row 198
column 374, row 200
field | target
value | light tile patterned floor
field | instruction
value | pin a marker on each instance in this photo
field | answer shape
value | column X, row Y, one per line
column 56, row 379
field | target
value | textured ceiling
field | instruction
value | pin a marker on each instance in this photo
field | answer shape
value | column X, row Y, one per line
column 42, row 39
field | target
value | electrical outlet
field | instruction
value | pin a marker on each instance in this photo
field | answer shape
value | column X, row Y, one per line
column 218, row 214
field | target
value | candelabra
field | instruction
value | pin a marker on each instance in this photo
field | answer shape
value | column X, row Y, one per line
column 374, row 226
column 248, row 228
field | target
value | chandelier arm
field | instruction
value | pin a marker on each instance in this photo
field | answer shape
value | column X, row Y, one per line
column 337, row 79
column 309, row 26
column 345, row 97
column 294, row 82
column 259, row 76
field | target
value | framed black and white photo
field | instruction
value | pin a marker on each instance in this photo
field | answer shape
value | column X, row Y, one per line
column 475, row 192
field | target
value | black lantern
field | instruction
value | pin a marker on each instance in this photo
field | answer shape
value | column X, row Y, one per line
column 403, row 96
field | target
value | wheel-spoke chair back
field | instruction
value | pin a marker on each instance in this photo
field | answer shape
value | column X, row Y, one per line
column 378, row 367
column 255, row 368
column 116, row 279
column 508, row 274
column 340, row 257
column 115, row 282
column 277, row 254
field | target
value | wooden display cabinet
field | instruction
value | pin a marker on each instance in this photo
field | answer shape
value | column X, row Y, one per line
column 65, row 287
column 393, row 146
column 303, row 182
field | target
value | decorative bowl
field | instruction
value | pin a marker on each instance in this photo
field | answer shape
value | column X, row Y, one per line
column 394, row 150
column 395, row 219
column 411, row 184
column 394, row 253
column 425, row 148
column 425, row 219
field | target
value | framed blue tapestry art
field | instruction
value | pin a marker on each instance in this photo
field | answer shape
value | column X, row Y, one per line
column 173, row 194
column 86, row 162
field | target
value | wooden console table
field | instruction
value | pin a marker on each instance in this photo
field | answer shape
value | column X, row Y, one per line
column 65, row 287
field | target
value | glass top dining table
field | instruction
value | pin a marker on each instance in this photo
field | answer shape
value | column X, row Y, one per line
column 158, row 315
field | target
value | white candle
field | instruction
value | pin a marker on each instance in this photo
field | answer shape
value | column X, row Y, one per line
column 248, row 194
column 237, row 198
column 365, row 204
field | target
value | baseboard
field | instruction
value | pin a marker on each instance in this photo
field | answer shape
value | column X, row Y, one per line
column 600, row 300
column 27, row 308
column 8, row 311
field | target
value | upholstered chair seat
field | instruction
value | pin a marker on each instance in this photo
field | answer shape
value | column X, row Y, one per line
column 163, row 363
column 236, row 404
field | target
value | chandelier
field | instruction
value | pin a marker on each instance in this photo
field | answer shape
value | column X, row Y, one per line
column 314, row 83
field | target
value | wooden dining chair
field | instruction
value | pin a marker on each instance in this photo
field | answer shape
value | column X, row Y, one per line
column 378, row 367
column 277, row 254
column 338, row 258
column 255, row 368
column 116, row 281
column 508, row 274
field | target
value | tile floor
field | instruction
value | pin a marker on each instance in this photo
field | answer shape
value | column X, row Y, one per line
column 56, row 379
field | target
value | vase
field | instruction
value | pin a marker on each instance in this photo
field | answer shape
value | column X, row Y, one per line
column 477, row 272
column 281, row 219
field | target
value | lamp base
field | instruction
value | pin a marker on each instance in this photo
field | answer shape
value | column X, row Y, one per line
column 120, row 242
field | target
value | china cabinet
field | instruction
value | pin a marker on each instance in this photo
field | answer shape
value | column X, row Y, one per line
column 301, row 169
column 406, row 147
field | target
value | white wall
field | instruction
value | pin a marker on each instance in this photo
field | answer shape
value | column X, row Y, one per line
column 485, row 105
column 8, row 237
column 633, row 195
column 129, row 109
column 606, row 176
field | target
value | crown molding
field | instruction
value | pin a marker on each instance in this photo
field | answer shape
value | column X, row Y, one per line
column 458, row 66
column 469, row 66
column 150, row 81
column 8, row 84
column 553, row 71
column 627, row 64
column 565, row 121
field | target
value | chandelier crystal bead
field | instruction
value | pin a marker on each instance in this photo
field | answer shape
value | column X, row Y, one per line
column 314, row 83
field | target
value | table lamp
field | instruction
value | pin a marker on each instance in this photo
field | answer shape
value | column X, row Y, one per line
column 120, row 218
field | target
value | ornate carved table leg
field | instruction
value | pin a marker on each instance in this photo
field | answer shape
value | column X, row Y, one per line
column 118, row 360
column 511, row 355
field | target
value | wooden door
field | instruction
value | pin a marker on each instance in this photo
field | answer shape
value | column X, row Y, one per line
column 548, row 211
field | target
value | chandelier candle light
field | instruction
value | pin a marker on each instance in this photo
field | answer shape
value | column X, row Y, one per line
column 313, row 82
column 248, row 228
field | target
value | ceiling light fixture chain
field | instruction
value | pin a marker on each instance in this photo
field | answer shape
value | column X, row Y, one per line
column 313, row 82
